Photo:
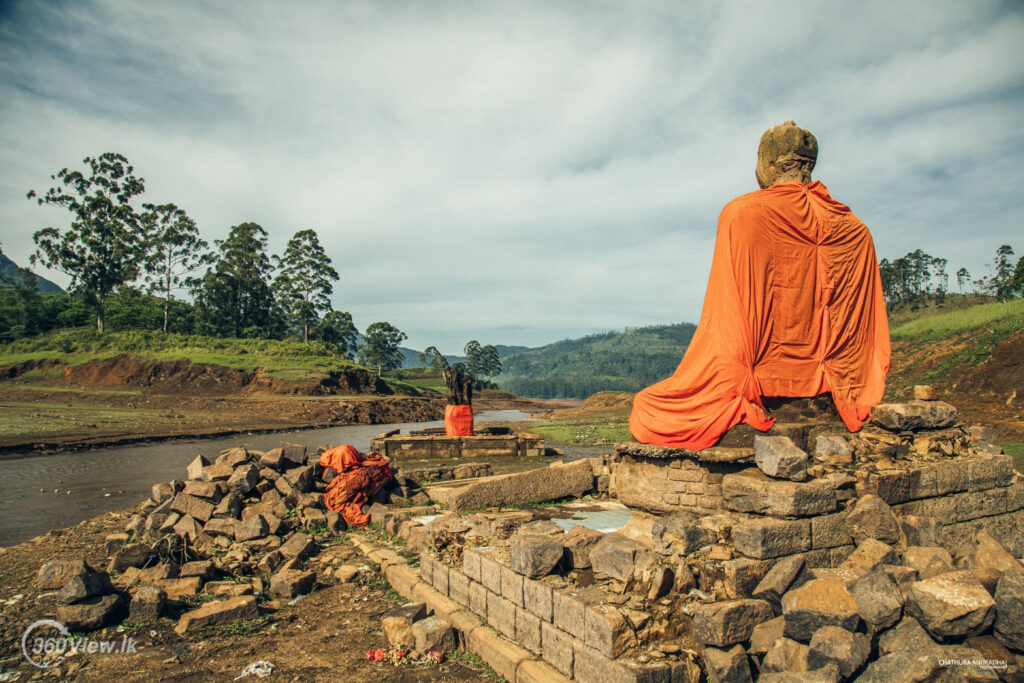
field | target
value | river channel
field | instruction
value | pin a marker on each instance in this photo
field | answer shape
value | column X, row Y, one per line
column 41, row 493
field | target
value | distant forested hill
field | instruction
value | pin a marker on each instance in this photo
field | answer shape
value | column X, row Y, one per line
column 617, row 361
column 7, row 272
column 412, row 360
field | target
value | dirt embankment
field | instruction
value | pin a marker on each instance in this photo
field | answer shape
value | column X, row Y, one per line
column 198, row 379
column 45, row 406
column 988, row 389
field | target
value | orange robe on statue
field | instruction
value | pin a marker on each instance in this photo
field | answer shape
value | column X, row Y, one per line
column 794, row 307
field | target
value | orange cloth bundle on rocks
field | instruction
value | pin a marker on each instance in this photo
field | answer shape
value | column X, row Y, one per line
column 357, row 479
column 794, row 307
column 458, row 420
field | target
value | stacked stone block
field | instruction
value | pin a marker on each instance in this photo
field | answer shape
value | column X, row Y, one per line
column 573, row 630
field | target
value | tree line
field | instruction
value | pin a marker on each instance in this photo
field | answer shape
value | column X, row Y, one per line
column 129, row 262
column 918, row 276
column 482, row 362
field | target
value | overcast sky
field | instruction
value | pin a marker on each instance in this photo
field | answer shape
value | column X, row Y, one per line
column 519, row 172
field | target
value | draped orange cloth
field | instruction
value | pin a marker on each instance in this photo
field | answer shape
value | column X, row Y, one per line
column 794, row 307
column 357, row 479
column 458, row 420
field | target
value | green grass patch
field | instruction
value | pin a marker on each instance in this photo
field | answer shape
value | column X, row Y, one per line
column 243, row 627
column 284, row 359
column 1014, row 449
column 583, row 432
column 945, row 325
column 979, row 345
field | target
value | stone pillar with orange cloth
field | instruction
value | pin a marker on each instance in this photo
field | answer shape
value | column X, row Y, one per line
column 458, row 414
column 794, row 308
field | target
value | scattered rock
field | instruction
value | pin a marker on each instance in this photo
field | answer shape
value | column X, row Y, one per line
column 906, row 637
column 830, row 446
column 833, row 644
column 730, row 621
column 936, row 566
column 130, row 555
column 682, row 533
column 869, row 555
column 871, row 517
column 252, row 528
column 879, row 600
column 188, row 527
column 218, row 612
column 924, row 392
column 299, row 546
column 243, row 479
column 578, row 543
column 914, row 415
column 91, row 614
column 181, row 588
column 346, row 573
column 206, row 490
column 785, row 655
column 951, row 605
column 147, row 603
column 778, row 456
column 988, row 552
column 84, row 585
column 204, row 569
column 726, row 667
column 289, row 583
column 195, row 469
column 293, row 454
column 818, row 603
column 222, row 526
column 614, row 555
column 919, row 557
column 778, row 580
column 765, row 634
column 1009, row 599
column 433, row 634
column 662, row 582
column 194, row 507
column 397, row 624
column 55, row 573
column 113, row 542
column 535, row 555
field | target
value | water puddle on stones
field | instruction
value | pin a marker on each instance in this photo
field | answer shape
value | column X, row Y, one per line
column 603, row 516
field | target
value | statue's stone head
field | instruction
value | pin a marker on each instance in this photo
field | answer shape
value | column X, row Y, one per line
column 787, row 152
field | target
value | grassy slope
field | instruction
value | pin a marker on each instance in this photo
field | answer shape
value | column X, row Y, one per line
column 970, row 333
column 282, row 359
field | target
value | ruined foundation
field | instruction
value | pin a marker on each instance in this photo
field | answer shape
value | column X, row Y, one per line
column 712, row 534
column 432, row 444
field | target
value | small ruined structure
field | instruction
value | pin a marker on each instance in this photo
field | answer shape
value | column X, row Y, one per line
column 805, row 554
column 430, row 444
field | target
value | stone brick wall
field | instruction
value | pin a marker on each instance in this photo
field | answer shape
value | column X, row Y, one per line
column 426, row 447
column 678, row 485
column 773, row 518
column 569, row 629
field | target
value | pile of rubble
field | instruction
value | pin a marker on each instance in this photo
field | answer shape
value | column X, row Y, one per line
column 236, row 530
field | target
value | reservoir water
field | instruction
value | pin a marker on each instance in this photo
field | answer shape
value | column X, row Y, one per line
column 41, row 493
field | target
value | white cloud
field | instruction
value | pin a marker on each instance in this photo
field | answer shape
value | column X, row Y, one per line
column 519, row 172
